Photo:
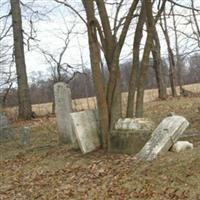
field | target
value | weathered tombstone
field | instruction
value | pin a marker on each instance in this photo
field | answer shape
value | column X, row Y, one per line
column 6, row 132
column 163, row 137
column 63, row 108
column 86, row 129
column 130, row 135
column 25, row 135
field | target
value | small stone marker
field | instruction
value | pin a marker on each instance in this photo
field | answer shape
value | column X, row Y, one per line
column 25, row 135
column 63, row 108
column 181, row 146
column 163, row 137
column 86, row 129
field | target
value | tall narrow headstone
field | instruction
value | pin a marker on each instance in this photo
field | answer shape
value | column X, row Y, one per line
column 63, row 108
column 163, row 137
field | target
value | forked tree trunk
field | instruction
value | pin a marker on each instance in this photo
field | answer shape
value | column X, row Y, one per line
column 112, row 49
column 109, row 102
column 24, row 101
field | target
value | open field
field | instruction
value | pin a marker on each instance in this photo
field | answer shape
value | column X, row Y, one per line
column 48, row 170
column 90, row 103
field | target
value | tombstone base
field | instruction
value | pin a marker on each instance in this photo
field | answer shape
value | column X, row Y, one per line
column 128, row 142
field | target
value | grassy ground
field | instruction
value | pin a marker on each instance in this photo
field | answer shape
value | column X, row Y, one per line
column 47, row 170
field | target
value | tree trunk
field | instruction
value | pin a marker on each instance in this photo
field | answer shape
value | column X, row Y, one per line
column 172, row 71
column 114, row 94
column 178, row 59
column 136, row 63
column 145, row 59
column 157, row 65
column 96, row 70
column 24, row 101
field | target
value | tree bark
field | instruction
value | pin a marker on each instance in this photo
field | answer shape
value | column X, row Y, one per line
column 25, row 111
column 178, row 59
column 136, row 63
column 96, row 70
column 157, row 65
column 172, row 70
column 145, row 59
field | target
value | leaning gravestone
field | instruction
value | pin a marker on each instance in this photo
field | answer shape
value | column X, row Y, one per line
column 6, row 132
column 63, row 108
column 163, row 137
column 85, row 126
column 130, row 135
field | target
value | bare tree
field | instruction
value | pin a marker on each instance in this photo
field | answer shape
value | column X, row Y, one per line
column 158, row 67
column 136, row 62
column 145, row 60
column 178, row 56
column 96, row 70
column 60, row 70
column 25, row 110
column 172, row 66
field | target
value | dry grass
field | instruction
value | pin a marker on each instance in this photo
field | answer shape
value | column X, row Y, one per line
column 47, row 170
column 90, row 103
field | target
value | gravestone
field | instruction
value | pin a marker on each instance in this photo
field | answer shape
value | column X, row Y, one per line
column 86, row 129
column 63, row 108
column 163, row 137
column 130, row 135
column 25, row 135
column 6, row 132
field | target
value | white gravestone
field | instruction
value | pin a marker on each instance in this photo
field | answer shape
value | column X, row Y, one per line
column 181, row 146
column 163, row 137
column 86, row 129
column 63, row 108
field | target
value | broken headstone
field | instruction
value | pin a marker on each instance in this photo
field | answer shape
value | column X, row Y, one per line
column 130, row 135
column 163, row 137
